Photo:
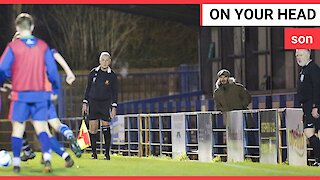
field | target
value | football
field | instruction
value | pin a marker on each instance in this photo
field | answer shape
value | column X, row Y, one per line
column 5, row 159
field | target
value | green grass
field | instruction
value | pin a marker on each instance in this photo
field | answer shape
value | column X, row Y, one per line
column 134, row 166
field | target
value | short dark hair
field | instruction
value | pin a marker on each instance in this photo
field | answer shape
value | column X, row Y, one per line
column 24, row 21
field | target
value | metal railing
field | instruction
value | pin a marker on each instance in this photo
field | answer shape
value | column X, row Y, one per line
column 132, row 86
column 263, row 135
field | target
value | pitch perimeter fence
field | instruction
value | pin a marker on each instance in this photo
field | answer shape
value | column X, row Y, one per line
column 261, row 135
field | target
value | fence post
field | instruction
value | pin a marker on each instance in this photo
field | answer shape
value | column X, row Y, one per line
column 235, row 138
column 178, row 128
column 269, row 141
column 204, row 121
column 296, row 141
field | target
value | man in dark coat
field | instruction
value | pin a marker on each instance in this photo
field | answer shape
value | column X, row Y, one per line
column 230, row 95
column 309, row 97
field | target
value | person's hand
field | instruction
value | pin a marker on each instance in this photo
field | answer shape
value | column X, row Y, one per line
column 84, row 108
column 70, row 78
column 315, row 113
column 113, row 113
column 8, row 86
column 54, row 97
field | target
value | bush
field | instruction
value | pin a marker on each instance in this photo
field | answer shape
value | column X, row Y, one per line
column 182, row 157
column 216, row 159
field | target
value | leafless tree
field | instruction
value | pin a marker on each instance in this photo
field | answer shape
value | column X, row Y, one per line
column 84, row 31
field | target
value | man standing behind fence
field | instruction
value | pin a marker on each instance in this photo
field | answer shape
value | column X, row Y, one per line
column 101, row 101
column 309, row 97
column 230, row 95
column 29, row 62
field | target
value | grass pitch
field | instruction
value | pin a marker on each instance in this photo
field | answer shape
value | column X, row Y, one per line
column 153, row 166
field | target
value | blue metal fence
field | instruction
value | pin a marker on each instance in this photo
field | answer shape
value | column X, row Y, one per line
column 158, row 92
column 275, row 101
column 136, row 86
column 193, row 101
column 176, row 103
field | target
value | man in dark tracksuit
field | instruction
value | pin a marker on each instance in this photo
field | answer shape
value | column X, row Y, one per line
column 309, row 97
column 101, row 102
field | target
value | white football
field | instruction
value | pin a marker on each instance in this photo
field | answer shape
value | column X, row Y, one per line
column 5, row 159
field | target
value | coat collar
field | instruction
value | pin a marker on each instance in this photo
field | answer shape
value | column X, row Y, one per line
column 98, row 68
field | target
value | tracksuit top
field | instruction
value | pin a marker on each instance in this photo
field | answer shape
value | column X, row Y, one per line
column 29, row 63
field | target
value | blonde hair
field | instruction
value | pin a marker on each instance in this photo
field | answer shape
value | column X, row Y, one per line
column 24, row 21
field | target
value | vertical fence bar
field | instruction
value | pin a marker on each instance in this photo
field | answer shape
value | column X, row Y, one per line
column 140, row 136
column 160, row 133
column 279, row 138
column 146, row 134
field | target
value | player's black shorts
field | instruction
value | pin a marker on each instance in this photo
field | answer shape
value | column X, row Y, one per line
column 99, row 110
column 308, row 120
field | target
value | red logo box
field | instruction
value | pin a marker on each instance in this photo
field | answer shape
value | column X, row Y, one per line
column 302, row 38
